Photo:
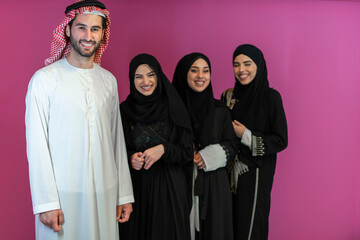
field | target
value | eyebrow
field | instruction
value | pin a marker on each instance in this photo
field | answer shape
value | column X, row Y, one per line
column 139, row 74
column 84, row 25
column 244, row 62
column 198, row 67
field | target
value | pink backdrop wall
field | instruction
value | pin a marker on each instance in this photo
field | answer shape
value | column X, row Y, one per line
column 313, row 56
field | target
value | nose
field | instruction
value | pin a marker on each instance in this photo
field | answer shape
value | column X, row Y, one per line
column 241, row 68
column 146, row 80
column 88, row 34
column 200, row 75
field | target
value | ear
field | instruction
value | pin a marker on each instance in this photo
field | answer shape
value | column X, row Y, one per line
column 67, row 30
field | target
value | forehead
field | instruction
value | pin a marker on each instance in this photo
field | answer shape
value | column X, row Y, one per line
column 242, row 58
column 143, row 68
column 88, row 19
column 200, row 63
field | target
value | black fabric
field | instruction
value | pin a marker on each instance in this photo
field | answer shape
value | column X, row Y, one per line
column 163, row 192
column 199, row 104
column 251, row 109
column 84, row 3
column 162, row 102
column 261, row 110
column 212, row 127
column 244, row 202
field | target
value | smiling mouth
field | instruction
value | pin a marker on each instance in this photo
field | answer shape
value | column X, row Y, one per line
column 199, row 83
column 86, row 44
column 243, row 76
column 146, row 87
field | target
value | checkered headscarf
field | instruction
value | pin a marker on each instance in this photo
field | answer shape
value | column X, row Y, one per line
column 60, row 45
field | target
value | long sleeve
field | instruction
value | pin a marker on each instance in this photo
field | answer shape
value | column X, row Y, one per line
column 180, row 151
column 214, row 157
column 229, row 140
column 125, row 192
column 277, row 139
column 42, row 180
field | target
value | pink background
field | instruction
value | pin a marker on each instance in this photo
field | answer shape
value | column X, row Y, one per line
column 313, row 57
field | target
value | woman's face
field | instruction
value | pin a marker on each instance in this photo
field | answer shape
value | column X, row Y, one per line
column 198, row 77
column 244, row 69
column 145, row 80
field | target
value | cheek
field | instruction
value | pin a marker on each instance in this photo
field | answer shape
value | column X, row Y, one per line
column 137, row 84
column 235, row 70
column 189, row 79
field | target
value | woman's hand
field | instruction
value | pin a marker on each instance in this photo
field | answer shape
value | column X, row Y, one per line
column 238, row 128
column 199, row 161
column 137, row 160
column 153, row 154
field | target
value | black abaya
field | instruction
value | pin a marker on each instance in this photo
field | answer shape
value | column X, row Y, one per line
column 163, row 192
column 211, row 122
column 260, row 109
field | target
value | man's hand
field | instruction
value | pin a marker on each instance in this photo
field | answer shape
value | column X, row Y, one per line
column 53, row 219
column 137, row 161
column 123, row 212
column 153, row 154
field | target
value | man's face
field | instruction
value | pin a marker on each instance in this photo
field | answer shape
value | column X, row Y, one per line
column 85, row 34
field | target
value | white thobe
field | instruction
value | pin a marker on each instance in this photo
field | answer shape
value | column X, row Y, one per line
column 76, row 151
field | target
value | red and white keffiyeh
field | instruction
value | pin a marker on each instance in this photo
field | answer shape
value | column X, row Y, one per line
column 60, row 45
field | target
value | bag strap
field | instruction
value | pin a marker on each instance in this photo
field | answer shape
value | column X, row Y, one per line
column 230, row 102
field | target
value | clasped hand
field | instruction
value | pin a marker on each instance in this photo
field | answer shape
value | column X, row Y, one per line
column 239, row 128
column 147, row 158
column 199, row 161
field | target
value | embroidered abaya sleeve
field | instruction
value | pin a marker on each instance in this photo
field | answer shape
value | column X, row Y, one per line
column 276, row 139
column 226, row 146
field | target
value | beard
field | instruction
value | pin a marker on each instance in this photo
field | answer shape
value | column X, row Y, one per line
column 77, row 47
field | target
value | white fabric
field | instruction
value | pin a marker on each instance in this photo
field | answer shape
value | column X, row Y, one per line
column 95, row 12
column 246, row 138
column 195, row 211
column 76, row 151
column 214, row 157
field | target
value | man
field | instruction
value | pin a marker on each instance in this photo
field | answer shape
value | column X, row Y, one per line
column 79, row 175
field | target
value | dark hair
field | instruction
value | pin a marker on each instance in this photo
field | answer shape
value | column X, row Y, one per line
column 103, row 22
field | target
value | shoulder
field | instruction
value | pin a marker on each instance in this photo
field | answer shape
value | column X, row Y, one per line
column 274, row 96
column 51, row 69
column 221, row 106
column 227, row 91
column 104, row 71
column 46, row 77
column 106, row 75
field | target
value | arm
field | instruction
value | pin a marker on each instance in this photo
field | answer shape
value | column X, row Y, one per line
column 222, row 153
column 42, row 181
column 180, row 151
column 213, row 156
column 277, row 139
column 125, row 191
column 262, row 144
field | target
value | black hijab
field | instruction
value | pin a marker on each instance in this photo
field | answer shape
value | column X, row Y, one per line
column 199, row 104
column 164, row 101
column 251, row 109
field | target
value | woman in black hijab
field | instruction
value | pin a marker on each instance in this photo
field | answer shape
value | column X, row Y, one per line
column 159, row 144
column 260, row 124
column 214, row 141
